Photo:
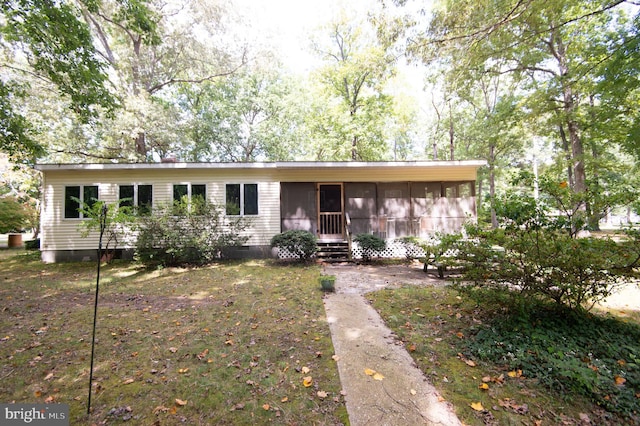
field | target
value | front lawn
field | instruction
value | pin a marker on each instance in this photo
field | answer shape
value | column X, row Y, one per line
column 233, row 343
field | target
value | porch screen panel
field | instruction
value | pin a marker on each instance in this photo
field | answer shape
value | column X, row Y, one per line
column 298, row 206
column 360, row 200
column 394, row 211
column 427, row 212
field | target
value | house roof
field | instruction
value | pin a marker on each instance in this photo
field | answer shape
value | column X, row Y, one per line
column 295, row 171
column 282, row 165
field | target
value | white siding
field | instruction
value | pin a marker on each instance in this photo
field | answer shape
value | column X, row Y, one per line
column 58, row 233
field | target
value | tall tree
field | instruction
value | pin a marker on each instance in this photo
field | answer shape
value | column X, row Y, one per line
column 555, row 50
column 252, row 115
column 353, row 78
column 50, row 39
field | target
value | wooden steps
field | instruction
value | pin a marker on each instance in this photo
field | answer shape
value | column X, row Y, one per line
column 336, row 251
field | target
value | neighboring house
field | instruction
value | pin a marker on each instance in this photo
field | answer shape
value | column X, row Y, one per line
column 389, row 199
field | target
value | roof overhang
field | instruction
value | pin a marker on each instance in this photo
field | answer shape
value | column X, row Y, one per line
column 297, row 171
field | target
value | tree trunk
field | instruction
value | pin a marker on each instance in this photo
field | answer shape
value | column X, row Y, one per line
column 451, row 134
column 565, row 147
column 492, row 186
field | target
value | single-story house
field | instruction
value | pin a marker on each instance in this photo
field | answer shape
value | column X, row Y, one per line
column 330, row 199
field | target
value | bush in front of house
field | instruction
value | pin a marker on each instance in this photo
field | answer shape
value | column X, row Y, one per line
column 301, row 244
column 371, row 245
column 188, row 233
column 535, row 255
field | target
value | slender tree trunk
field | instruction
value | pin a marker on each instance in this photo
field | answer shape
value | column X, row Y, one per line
column 492, row 186
column 565, row 147
column 451, row 134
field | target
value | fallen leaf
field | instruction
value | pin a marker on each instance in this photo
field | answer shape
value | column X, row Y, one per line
column 180, row 402
column 413, row 392
column 266, row 407
column 469, row 363
column 477, row 406
column 49, row 376
column 412, row 348
column 486, row 379
column 378, row 376
column 460, row 335
column 173, row 350
column 322, row 394
column 512, row 374
column 335, row 357
column 621, row 362
column 183, row 370
column 305, row 370
column 483, row 386
column 285, row 399
column 160, row 409
column 49, row 399
column 620, row 380
column 37, row 394
column 369, row 372
column 307, row 381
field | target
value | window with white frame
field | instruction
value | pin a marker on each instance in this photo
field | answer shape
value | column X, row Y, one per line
column 77, row 196
column 242, row 199
column 139, row 197
column 189, row 192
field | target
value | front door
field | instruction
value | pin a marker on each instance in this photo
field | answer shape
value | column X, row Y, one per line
column 330, row 211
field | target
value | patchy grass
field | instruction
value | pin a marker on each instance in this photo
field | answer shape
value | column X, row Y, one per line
column 542, row 369
column 225, row 344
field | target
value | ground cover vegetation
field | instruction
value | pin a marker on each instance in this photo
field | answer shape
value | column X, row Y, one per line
column 499, row 365
column 230, row 343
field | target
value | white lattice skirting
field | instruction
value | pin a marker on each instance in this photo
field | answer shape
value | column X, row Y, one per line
column 395, row 250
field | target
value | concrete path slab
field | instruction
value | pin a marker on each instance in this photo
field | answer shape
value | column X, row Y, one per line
column 362, row 341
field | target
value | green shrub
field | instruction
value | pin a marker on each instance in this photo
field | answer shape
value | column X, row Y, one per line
column 371, row 245
column 32, row 244
column 200, row 234
column 301, row 244
column 13, row 216
column 540, row 257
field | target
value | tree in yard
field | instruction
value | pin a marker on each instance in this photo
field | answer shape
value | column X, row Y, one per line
column 253, row 115
column 558, row 54
column 350, row 122
column 51, row 40
column 147, row 71
column 13, row 216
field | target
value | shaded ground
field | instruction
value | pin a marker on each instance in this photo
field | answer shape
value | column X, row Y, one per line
column 382, row 383
column 362, row 341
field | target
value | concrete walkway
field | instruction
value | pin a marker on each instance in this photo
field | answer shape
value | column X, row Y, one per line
column 402, row 395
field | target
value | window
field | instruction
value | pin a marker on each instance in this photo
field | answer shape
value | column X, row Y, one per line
column 242, row 199
column 189, row 192
column 138, row 196
column 75, row 196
